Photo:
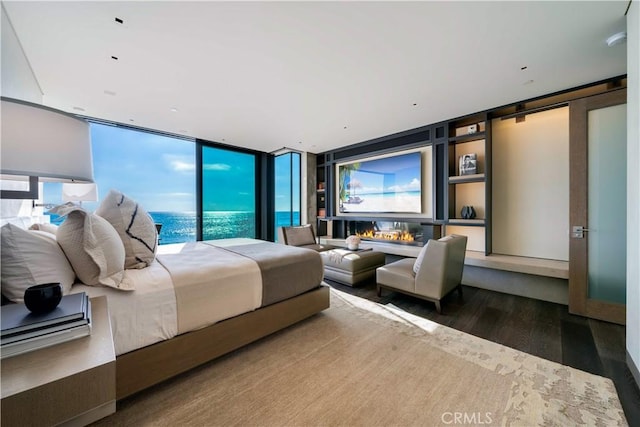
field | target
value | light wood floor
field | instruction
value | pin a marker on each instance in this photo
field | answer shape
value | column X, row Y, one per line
column 537, row 327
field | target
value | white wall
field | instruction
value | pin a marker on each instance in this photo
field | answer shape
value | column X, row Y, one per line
column 18, row 80
column 531, row 185
column 633, row 187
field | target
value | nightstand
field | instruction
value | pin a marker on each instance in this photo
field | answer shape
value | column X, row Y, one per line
column 72, row 383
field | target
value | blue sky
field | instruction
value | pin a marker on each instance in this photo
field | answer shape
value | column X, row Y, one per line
column 159, row 173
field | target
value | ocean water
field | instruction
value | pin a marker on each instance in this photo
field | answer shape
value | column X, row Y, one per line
column 179, row 227
column 224, row 225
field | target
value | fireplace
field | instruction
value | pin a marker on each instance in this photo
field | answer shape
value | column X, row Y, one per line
column 399, row 232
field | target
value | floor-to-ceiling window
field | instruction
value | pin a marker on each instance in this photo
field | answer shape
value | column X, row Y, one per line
column 157, row 171
column 287, row 190
column 233, row 198
column 228, row 193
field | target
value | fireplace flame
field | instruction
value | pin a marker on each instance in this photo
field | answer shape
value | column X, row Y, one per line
column 387, row 235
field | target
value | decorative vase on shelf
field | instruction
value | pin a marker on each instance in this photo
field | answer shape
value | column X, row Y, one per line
column 468, row 212
column 352, row 243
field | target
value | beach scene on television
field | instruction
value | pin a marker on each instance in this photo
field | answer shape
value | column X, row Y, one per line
column 384, row 185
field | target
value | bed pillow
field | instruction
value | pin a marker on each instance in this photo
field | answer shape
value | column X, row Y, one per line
column 45, row 226
column 32, row 258
column 134, row 225
column 92, row 246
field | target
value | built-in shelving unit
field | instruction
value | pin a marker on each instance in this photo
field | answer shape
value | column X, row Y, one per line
column 478, row 177
column 467, row 222
column 321, row 201
column 322, row 210
column 451, row 190
column 323, row 220
column 466, row 136
column 468, row 177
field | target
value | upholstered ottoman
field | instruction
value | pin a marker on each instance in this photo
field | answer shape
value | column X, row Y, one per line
column 351, row 267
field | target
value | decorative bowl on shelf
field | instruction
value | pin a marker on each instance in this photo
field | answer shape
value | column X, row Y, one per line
column 43, row 298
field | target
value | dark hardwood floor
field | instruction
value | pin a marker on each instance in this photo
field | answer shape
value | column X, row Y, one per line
column 536, row 327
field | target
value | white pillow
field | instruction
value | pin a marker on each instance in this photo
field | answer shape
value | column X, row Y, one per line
column 423, row 252
column 421, row 255
column 32, row 258
column 45, row 226
column 92, row 246
column 135, row 227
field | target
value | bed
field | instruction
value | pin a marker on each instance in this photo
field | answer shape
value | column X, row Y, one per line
column 200, row 300
column 172, row 307
column 192, row 302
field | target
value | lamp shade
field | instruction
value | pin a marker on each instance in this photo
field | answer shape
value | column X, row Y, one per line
column 45, row 143
column 72, row 192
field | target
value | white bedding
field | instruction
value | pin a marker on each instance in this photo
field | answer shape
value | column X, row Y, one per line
column 211, row 284
column 141, row 317
column 149, row 313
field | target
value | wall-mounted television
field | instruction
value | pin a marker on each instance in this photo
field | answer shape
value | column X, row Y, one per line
column 390, row 184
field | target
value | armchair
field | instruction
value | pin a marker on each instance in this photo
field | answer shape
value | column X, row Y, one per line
column 301, row 236
column 436, row 272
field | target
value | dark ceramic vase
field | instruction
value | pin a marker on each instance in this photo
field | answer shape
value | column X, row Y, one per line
column 43, row 298
column 464, row 213
column 468, row 212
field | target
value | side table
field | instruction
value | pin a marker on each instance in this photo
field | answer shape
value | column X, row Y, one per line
column 72, row 383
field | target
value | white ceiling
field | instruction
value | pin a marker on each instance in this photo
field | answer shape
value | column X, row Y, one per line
column 309, row 75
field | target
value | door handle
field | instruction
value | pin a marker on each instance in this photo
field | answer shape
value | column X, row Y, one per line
column 577, row 231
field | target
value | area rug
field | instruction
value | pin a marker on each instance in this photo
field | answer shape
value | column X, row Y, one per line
column 364, row 364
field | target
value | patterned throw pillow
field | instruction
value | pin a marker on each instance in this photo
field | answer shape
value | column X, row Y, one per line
column 92, row 246
column 135, row 227
column 32, row 258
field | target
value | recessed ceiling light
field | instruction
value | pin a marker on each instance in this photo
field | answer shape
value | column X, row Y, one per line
column 115, row 58
column 174, row 110
column 523, row 68
column 415, row 104
column 119, row 21
column 617, row 38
